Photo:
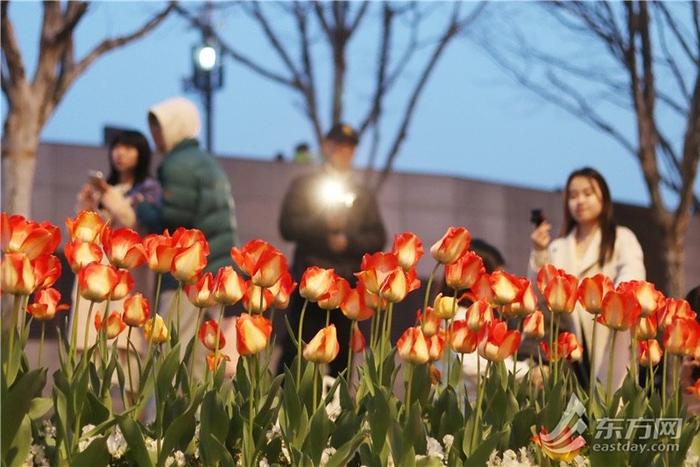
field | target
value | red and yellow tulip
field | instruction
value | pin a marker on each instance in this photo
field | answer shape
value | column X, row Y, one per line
column 452, row 245
column 253, row 333
column 412, row 346
column 408, row 250
column 324, row 346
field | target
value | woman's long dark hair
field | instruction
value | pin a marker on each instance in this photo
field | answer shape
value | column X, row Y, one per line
column 135, row 140
column 605, row 220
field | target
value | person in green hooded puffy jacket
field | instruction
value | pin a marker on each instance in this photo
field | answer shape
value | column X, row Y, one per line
column 196, row 194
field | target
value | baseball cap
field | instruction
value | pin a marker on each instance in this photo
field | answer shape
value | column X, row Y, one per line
column 343, row 134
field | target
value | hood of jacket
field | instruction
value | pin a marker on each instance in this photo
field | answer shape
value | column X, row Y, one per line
column 179, row 120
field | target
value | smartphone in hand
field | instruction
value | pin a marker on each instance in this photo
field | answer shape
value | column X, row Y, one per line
column 536, row 217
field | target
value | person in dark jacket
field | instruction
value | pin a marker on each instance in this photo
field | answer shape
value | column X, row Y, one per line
column 196, row 194
column 333, row 219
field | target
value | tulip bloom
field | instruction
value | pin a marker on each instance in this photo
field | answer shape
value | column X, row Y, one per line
column 253, row 333
column 47, row 270
column 561, row 292
column 545, row 275
column 672, row 309
column 463, row 273
column 429, row 322
column 354, row 306
column 137, row 310
column 160, row 251
column 591, row 291
column 339, row 291
column 316, row 283
column 525, row 303
column 650, row 352
column 567, row 346
column 214, row 360
column 682, row 336
column 124, row 285
column 619, row 311
column 123, row 247
column 357, row 340
column 481, row 290
column 282, row 291
column 209, row 332
column 382, row 275
column 257, row 299
column 408, row 249
column 694, row 389
column 324, row 346
column 452, row 245
column 498, row 342
column 31, row 238
column 46, row 305
column 113, row 326
column 155, row 330
column 189, row 262
column 445, row 307
column 463, row 339
column 201, row 293
column 479, row 315
column 97, row 281
column 229, row 286
column 533, row 325
column 436, row 344
column 412, row 346
column 260, row 261
column 646, row 294
column 87, row 226
column 645, row 328
column 18, row 276
column 79, row 254
column 506, row 287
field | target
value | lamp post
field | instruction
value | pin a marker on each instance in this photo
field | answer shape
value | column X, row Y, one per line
column 207, row 77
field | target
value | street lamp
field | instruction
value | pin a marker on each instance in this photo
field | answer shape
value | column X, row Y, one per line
column 207, row 77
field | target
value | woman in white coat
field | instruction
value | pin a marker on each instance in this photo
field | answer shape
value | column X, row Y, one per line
column 590, row 243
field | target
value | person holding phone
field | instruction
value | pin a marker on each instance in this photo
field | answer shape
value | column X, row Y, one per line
column 127, row 184
column 590, row 242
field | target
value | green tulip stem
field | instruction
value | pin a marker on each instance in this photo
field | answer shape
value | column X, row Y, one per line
column 299, row 340
column 610, row 366
column 592, row 376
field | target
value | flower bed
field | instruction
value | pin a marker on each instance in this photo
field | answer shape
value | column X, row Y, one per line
column 255, row 418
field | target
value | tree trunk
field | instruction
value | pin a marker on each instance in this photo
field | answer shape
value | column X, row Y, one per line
column 19, row 148
column 674, row 259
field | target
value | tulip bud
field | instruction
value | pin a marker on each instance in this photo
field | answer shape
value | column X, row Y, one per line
column 46, row 305
column 619, row 310
column 47, row 270
column 112, row 327
column 211, row 336
column 137, row 310
column 429, row 322
column 445, row 307
column 413, row 347
column 591, row 292
column 498, row 342
column 436, row 344
column 408, row 249
column 17, row 274
column 282, row 291
column 479, row 315
column 561, row 293
column 269, row 268
column 463, row 273
column 645, row 328
column 338, row 292
column 650, row 352
column 79, row 254
column 188, row 263
column 253, row 333
column 214, row 360
column 358, row 342
column 160, row 252
column 155, row 330
column 533, row 325
column 31, row 238
column 354, row 306
column 96, row 281
column 201, row 293
column 316, row 283
column 124, row 285
column 229, row 286
column 257, row 299
column 452, row 245
column 463, row 339
column 324, row 347
column 86, row 226
column 123, row 247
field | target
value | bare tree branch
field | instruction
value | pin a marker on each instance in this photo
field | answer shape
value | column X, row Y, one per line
column 358, row 18
column 236, row 55
column 74, row 13
column 10, row 49
column 321, row 15
column 309, row 86
column 669, row 59
column 675, row 28
column 689, row 164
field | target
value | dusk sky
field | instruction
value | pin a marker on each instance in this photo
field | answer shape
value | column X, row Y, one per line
column 472, row 121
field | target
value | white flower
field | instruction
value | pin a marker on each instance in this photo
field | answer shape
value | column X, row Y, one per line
column 435, row 449
column 333, row 409
column 448, row 440
column 151, row 445
column 176, row 459
column 196, row 441
column 326, row 456
column 285, row 453
column 49, row 430
column 691, row 460
column 116, row 444
column 578, row 461
column 263, row 462
column 85, row 440
column 510, row 457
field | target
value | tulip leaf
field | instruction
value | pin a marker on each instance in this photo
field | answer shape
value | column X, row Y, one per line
column 430, row 461
column 21, row 445
column 483, row 450
column 95, row 455
column 181, row 430
column 520, row 427
column 320, row 428
column 414, row 432
column 16, row 404
column 213, row 427
column 166, row 373
column 345, row 452
column 380, row 415
column 39, row 406
column 137, row 452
